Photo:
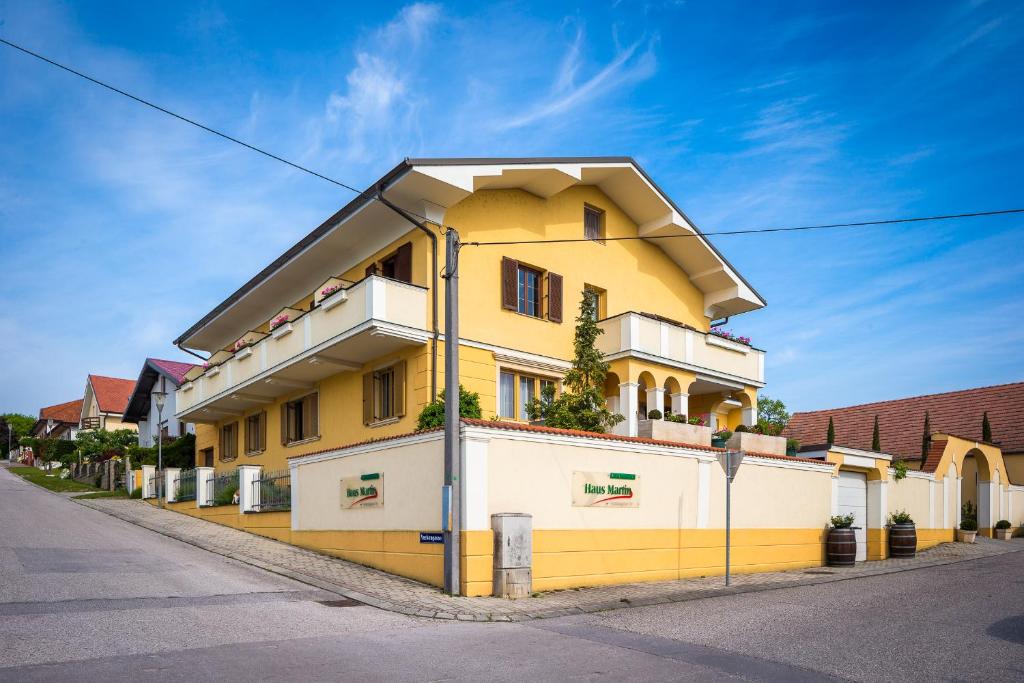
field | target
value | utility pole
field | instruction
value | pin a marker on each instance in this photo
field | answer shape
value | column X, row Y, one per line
column 452, row 491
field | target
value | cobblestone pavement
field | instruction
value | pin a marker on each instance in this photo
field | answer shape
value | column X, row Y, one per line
column 405, row 596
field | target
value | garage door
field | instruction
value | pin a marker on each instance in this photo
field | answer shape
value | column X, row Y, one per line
column 853, row 497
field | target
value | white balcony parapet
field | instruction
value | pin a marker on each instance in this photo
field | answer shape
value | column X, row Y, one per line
column 370, row 318
column 644, row 336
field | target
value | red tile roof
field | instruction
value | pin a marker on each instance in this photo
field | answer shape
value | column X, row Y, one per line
column 175, row 369
column 901, row 422
column 112, row 393
column 62, row 412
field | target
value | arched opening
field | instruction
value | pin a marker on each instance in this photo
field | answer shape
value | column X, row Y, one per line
column 611, row 392
column 646, row 383
column 672, row 388
column 977, row 493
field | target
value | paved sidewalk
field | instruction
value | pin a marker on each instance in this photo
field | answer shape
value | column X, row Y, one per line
column 405, row 596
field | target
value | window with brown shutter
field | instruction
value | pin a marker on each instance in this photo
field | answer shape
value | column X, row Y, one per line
column 256, row 433
column 399, row 265
column 593, row 223
column 554, row 297
column 384, row 393
column 300, row 419
column 229, row 442
column 509, row 283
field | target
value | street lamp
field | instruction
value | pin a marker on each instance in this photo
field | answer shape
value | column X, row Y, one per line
column 159, row 398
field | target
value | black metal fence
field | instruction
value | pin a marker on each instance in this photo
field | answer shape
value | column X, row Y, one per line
column 272, row 491
column 186, row 485
column 223, row 488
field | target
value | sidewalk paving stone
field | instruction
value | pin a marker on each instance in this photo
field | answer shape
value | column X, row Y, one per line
column 405, row 596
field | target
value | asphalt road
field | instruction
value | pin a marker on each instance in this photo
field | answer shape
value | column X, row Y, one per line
column 86, row 597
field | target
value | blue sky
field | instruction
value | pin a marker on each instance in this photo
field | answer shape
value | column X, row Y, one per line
column 120, row 227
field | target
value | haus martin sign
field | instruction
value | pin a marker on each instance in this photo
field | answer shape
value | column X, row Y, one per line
column 605, row 490
column 363, row 491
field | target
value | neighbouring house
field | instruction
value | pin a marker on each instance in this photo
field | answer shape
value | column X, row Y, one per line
column 59, row 421
column 104, row 403
column 335, row 341
column 964, row 467
column 157, row 376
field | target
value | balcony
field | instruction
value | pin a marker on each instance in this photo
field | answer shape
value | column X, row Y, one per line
column 713, row 359
column 90, row 423
column 355, row 324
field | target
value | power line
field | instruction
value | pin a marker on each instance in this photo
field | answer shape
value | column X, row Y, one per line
column 861, row 224
column 444, row 228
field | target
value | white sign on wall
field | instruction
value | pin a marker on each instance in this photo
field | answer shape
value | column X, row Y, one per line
column 605, row 489
column 363, row 491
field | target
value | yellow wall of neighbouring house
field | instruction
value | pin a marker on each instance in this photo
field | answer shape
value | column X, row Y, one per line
column 1014, row 463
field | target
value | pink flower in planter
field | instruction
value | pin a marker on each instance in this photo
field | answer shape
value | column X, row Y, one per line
column 279, row 320
column 327, row 291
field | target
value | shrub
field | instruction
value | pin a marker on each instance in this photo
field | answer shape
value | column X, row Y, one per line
column 899, row 469
column 792, row 445
column 432, row 414
column 696, row 420
column 741, row 428
column 226, row 495
column 136, row 492
column 681, row 419
column 842, row 521
column 901, row 517
column 968, row 524
column 653, row 414
column 1003, row 524
column 722, row 434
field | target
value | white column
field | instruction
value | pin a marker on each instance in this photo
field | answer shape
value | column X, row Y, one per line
column 681, row 404
column 613, row 404
column 986, row 499
column 204, row 486
column 171, row 483
column 656, row 400
column 749, row 416
column 147, row 475
column 629, row 404
column 959, row 501
column 293, row 471
column 475, row 513
column 835, row 496
column 946, row 483
column 248, row 497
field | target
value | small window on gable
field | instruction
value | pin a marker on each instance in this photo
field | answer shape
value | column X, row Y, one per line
column 593, row 223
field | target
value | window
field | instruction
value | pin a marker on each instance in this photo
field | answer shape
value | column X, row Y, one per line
column 593, row 223
column 598, row 295
column 229, row 442
column 256, row 433
column 516, row 390
column 397, row 265
column 529, row 291
column 300, row 419
column 207, row 454
column 384, row 394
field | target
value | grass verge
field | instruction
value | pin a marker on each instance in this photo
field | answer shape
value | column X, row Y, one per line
column 119, row 493
column 51, row 482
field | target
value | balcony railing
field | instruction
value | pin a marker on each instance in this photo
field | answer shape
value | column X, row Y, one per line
column 665, row 341
column 353, row 325
column 272, row 491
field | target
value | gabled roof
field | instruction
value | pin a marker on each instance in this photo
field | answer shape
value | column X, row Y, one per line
column 111, row 393
column 153, row 369
column 901, row 422
column 427, row 187
column 63, row 412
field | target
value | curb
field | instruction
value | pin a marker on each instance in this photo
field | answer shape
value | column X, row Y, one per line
column 548, row 613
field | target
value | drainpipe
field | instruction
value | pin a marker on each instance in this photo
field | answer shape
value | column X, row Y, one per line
column 719, row 323
column 193, row 353
column 433, row 288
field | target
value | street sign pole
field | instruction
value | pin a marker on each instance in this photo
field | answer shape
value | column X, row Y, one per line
column 730, row 461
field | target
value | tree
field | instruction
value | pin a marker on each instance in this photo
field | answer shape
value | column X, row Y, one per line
column 582, row 404
column 100, row 444
column 831, row 436
column 876, row 438
column 772, row 415
column 432, row 414
column 986, row 428
column 926, row 437
column 17, row 426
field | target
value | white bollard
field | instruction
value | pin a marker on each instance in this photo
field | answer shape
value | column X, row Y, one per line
column 248, row 499
column 204, row 486
column 171, row 483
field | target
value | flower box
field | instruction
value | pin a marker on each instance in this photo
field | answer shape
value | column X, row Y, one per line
column 757, row 443
column 213, row 371
column 243, row 352
column 678, row 432
column 281, row 330
column 333, row 299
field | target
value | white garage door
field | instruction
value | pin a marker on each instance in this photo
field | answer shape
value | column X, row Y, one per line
column 853, row 497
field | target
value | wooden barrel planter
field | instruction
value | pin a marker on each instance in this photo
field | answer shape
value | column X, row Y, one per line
column 841, row 548
column 902, row 540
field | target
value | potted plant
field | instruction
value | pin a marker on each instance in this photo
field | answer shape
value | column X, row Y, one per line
column 653, row 414
column 968, row 524
column 1002, row 530
column 902, row 535
column 841, row 548
column 719, row 438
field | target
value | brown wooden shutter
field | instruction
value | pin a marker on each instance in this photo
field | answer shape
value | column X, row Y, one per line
column 262, row 446
column 554, row 297
column 509, row 283
column 367, row 398
column 403, row 263
column 284, row 424
column 399, row 407
column 311, row 415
